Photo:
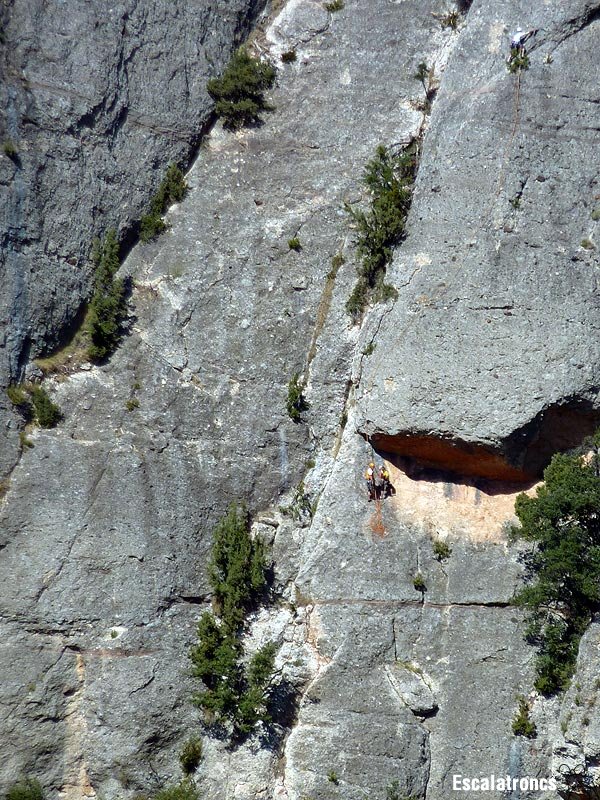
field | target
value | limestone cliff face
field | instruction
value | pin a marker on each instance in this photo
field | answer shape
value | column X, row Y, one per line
column 488, row 363
column 97, row 99
column 485, row 364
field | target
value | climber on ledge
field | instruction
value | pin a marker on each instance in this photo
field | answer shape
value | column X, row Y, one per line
column 370, row 479
column 384, row 477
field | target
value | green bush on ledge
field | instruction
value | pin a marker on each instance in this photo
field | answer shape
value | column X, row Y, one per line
column 239, row 91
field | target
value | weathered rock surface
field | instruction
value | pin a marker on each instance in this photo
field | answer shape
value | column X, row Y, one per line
column 576, row 740
column 105, row 529
column 448, row 386
column 106, row 524
column 488, row 363
column 97, row 100
column 448, row 661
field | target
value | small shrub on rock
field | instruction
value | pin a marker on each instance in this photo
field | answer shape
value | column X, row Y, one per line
column 107, row 307
column 289, row 56
column 184, row 790
column 419, row 583
column 47, row 414
column 33, row 403
column 335, row 5
column 522, row 724
column 301, row 507
column 441, row 550
column 294, row 244
column 296, row 403
column 10, row 150
column 239, row 92
column 20, row 399
column 392, row 792
column 26, row 789
column 191, row 755
column 450, row 20
column 172, row 189
column 426, row 76
column 151, row 226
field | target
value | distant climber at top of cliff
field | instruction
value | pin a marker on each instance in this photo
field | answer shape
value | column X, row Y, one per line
column 519, row 39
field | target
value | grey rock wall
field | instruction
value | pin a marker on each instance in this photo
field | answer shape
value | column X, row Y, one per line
column 97, row 99
column 106, row 525
column 488, row 363
column 105, row 529
column 432, row 676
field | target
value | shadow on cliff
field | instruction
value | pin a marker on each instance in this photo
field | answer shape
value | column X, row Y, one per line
column 283, row 709
column 516, row 465
column 416, row 470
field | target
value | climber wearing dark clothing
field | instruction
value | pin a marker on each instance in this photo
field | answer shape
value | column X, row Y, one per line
column 370, row 479
column 384, row 478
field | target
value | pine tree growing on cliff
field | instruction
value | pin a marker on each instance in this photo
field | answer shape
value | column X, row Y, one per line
column 240, row 91
column 215, row 661
column 389, row 178
column 252, row 704
column 233, row 694
column 563, row 569
column 107, row 307
column 237, row 567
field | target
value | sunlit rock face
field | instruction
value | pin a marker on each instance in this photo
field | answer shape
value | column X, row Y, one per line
column 488, row 361
column 97, row 99
column 485, row 364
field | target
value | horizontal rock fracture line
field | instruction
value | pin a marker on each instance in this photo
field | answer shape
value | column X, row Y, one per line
column 341, row 601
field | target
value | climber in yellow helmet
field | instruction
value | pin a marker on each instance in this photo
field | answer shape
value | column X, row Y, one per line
column 384, row 477
column 370, row 479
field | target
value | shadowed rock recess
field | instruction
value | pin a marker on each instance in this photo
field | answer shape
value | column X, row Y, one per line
column 485, row 364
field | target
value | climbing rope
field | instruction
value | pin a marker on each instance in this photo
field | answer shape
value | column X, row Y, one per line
column 515, row 125
column 376, row 521
column 372, row 456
